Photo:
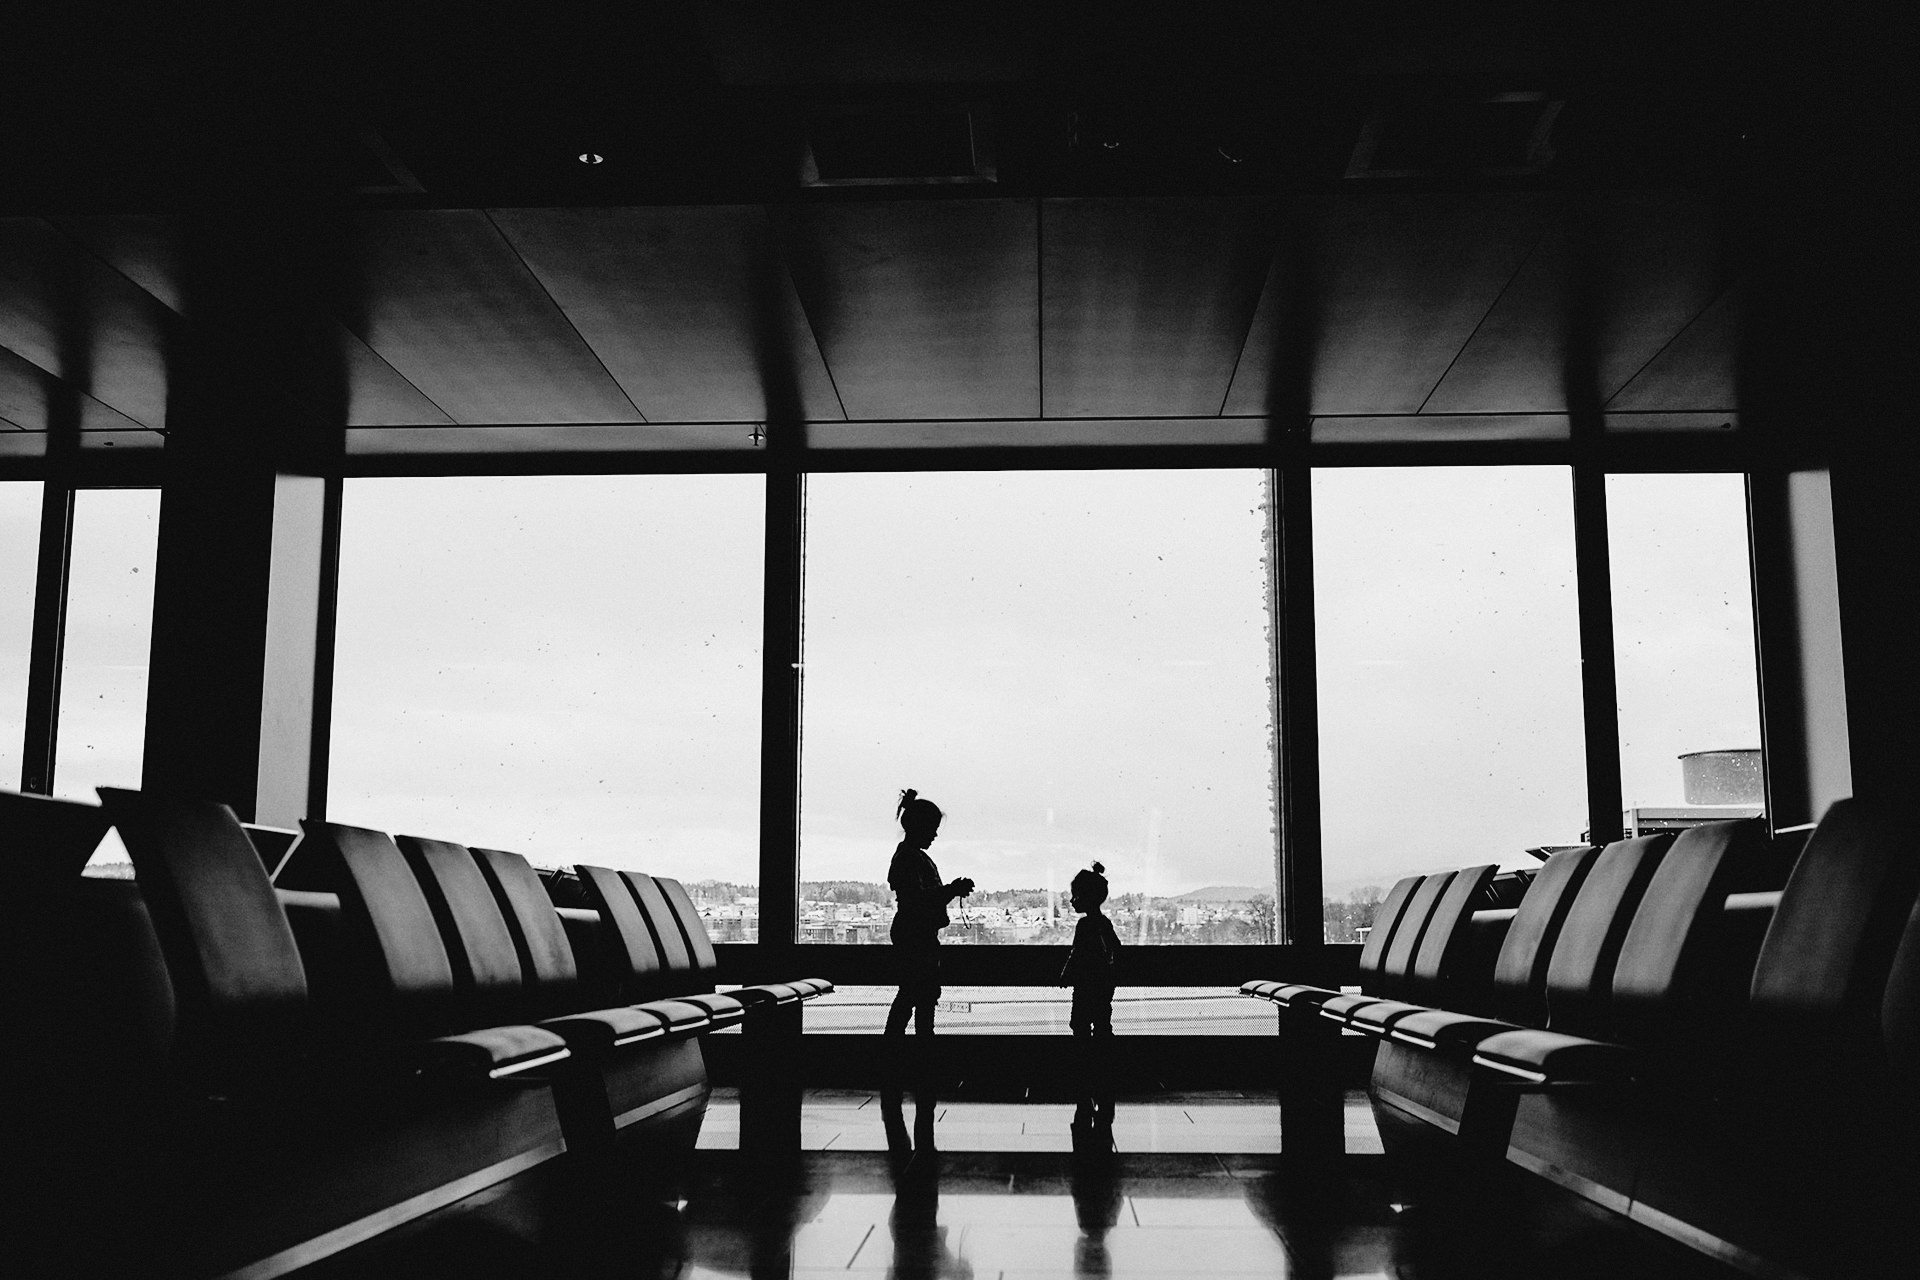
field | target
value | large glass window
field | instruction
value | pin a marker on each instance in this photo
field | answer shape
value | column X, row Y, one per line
column 1683, row 649
column 19, row 554
column 103, row 677
column 1074, row 665
column 564, row 666
column 1447, row 635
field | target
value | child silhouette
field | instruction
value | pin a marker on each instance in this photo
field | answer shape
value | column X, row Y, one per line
column 1094, row 957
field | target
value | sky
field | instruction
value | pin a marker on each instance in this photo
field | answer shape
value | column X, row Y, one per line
column 19, row 536
column 1073, row 664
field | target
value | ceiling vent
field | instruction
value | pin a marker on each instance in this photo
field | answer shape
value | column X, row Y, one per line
column 1482, row 135
column 886, row 145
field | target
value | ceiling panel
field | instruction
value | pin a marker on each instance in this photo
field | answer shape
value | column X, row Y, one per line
column 1397, row 284
column 1697, row 370
column 690, row 309
column 1433, row 428
column 65, row 311
column 923, row 310
column 446, row 301
column 556, row 438
column 148, row 251
column 1515, row 362
column 1146, row 303
column 1662, row 267
column 1039, row 433
column 29, row 394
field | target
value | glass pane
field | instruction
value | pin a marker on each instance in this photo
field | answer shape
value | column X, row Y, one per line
column 1683, row 646
column 1074, row 666
column 19, row 558
column 563, row 666
column 103, row 676
column 1447, row 632
column 1002, row 1011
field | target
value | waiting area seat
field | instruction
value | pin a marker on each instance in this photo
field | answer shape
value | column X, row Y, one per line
column 1673, row 1035
column 257, row 1073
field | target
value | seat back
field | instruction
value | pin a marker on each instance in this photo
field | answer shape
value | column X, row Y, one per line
column 486, row 964
column 1580, row 972
column 676, row 959
column 1397, row 968
column 1519, row 987
column 547, row 964
column 1386, row 918
column 627, row 945
column 1900, row 1018
column 43, row 839
column 706, row 961
column 1674, row 965
column 1442, row 952
column 236, row 974
column 399, row 974
column 1830, row 945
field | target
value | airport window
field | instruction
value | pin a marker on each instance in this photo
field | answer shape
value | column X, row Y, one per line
column 563, row 666
column 990, row 1010
column 1448, row 657
column 1683, row 649
column 103, row 676
column 19, row 553
column 1074, row 665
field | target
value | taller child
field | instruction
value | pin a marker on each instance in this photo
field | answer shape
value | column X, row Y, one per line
column 920, row 915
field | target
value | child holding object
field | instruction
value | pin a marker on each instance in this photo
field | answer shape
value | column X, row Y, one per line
column 1094, row 957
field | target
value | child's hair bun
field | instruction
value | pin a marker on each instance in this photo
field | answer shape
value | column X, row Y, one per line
column 1098, row 869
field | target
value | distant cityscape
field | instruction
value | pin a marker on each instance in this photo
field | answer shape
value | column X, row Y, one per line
column 859, row 911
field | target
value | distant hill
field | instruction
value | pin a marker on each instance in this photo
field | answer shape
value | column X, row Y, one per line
column 1221, row 893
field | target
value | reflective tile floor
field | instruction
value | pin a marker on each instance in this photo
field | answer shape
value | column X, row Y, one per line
column 997, row 1191
column 1202, row 1123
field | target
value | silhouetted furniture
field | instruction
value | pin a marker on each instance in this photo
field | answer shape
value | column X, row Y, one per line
column 231, row 1123
column 43, row 840
column 630, row 1063
column 1724, row 1062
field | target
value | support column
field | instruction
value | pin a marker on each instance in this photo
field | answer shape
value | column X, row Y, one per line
column 231, row 693
column 1803, row 679
column 237, row 687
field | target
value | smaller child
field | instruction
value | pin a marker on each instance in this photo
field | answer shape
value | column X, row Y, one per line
column 1094, row 957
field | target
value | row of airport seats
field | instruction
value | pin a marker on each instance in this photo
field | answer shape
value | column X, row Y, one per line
column 234, row 1075
column 1668, row 1032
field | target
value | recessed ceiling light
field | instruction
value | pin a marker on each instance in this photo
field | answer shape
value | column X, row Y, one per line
column 591, row 157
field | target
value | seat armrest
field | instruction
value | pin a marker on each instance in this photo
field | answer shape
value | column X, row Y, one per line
column 1548, row 1058
column 1341, row 1007
column 1446, row 1031
column 1378, row 1018
column 493, row 1053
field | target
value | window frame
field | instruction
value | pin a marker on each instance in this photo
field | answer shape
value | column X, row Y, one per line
column 785, row 460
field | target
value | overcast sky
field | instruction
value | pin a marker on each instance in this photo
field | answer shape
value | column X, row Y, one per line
column 1072, row 664
column 19, row 536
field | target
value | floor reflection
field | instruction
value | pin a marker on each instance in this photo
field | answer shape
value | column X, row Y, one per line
column 921, row 1250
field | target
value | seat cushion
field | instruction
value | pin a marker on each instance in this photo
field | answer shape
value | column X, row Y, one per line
column 1301, row 995
column 811, row 986
column 1551, row 1057
column 1446, row 1030
column 1260, row 987
column 761, row 993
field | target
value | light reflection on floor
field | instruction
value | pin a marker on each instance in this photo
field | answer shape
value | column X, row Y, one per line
column 853, row 1120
